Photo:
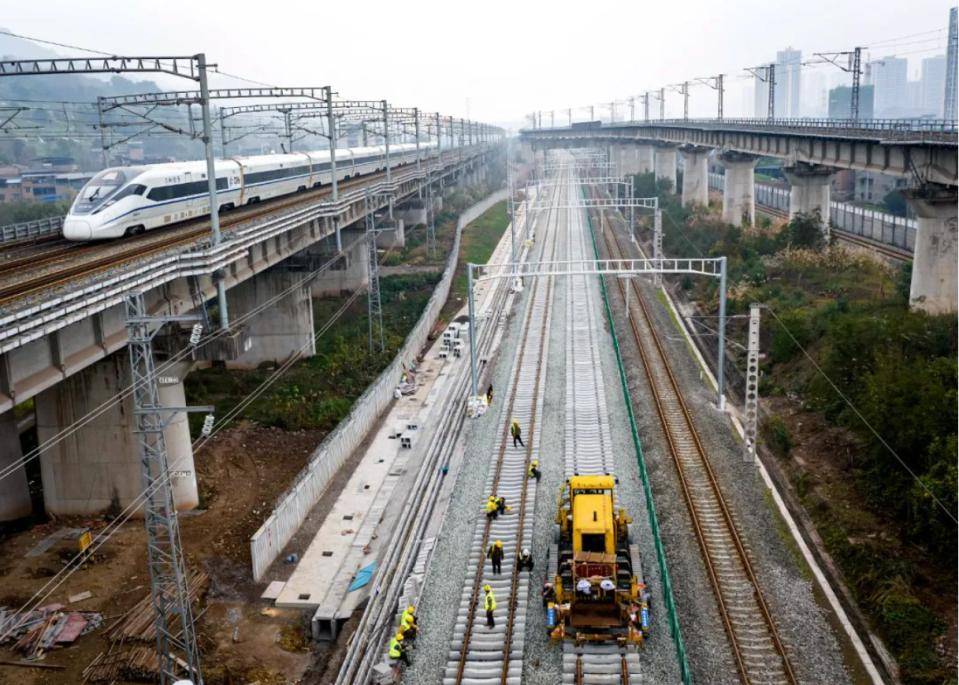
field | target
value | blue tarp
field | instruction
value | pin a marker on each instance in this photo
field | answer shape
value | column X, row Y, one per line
column 362, row 577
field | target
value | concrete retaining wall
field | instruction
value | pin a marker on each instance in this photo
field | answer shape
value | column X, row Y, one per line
column 295, row 504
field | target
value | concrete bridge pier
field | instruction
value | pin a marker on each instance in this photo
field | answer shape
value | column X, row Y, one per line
column 412, row 212
column 739, row 200
column 645, row 158
column 666, row 164
column 280, row 329
column 695, row 175
column 628, row 160
column 809, row 190
column 14, row 491
column 393, row 232
column 350, row 272
column 97, row 466
column 934, row 270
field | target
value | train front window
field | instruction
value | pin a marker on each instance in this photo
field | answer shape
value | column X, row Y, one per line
column 100, row 188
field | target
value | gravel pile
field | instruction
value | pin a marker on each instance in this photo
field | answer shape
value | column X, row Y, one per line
column 786, row 580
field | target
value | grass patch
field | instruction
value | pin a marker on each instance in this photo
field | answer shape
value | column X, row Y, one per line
column 476, row 246
column 316, row 393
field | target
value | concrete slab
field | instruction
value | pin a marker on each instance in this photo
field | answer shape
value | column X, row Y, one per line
column 273, row 590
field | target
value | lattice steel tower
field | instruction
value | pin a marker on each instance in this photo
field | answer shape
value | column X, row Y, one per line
column 179, row 656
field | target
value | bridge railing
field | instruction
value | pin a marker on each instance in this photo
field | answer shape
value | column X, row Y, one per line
column 31, row 230
column 882, row 227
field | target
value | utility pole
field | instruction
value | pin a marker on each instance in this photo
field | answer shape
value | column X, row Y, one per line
column 853, row 66
column 569, row 115
column 662, row 104
column 223, row 311
column 179, row 655
column 716, row 83
column 751, row 409
column 331, row 129
column 374, row 306
column 658, row 243
column 767, row 74
column 645, row 97
column 386, row 149
column 632, row 108
column 288, row 128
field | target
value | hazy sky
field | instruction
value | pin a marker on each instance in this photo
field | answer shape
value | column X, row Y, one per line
column 506, row 58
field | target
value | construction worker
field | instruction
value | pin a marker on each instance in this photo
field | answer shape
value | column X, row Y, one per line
column 409, row 611
column 489, row 603
column 408, row 627
column 495, row 554
column 492, row 507
column 534, row 471
column 489, row 394
column 548, row 594
column 524, row 560
column 398, row 650
column 517, row 433
column 501, row 505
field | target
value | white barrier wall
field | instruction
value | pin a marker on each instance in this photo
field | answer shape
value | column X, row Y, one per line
column 310, row 484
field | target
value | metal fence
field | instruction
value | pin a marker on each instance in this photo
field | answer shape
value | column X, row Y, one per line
column 881, row 227
column 295, row 504
column 31, row 230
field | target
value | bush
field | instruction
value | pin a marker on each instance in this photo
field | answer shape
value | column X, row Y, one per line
column 804, row 230
column 776, row 433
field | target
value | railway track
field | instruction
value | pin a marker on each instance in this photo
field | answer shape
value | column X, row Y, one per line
column 588, row 446
column 149, row 244
column 757, row 649
column 477, row 653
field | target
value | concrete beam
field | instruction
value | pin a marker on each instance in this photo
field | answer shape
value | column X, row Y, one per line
column 695, row 175
column 666, row 164
column 934, row 271
column 809, row 190
column 14, row 490
column 97, row 466
column 739, row 200
column 281, row 329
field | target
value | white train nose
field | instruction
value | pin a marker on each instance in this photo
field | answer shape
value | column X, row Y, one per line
column 76, row 229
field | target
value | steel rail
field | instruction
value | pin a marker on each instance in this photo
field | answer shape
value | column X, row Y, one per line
column 478, row 575
column 679, row 428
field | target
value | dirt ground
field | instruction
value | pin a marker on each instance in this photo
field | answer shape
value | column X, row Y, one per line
column 243, row 640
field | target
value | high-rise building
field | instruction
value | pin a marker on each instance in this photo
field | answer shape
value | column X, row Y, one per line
column 952, row 54
column 933, row 85
column 840, row 102
column 890, row 78
column 788, row 66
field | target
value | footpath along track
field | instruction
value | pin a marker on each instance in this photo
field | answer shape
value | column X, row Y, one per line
column 588, row 443
column 757, row 649
column 479, row 654
column 137, row 247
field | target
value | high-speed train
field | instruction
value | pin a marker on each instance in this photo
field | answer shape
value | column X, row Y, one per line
column 123, row 201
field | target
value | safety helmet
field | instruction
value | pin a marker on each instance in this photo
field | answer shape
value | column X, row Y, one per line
column 399, row 636
column 411, row 608
column 526, row 551
column 535, row 462
column 499, row 543
column 487, row 588
column 492, row 498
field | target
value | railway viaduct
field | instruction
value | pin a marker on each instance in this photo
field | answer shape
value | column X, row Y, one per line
column 812, row 151
column 63, row 346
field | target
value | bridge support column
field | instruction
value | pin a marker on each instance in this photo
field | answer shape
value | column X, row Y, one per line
column 393, row 235
column 645, row 158
column 14, row 491
column 413, row 212
column 628, row 160
column 281, row 328
column 739, row 201
column 695, row 175
column 97, row 466
column 934, row 271
column 349, row 273
column 809, row 190
column 666, row 164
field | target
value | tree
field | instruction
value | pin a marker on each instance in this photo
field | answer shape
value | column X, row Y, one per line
column 805, row 230
column 895, row 203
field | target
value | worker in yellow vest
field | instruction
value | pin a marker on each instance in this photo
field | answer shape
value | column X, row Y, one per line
column 398, row 650
column 490, row 603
